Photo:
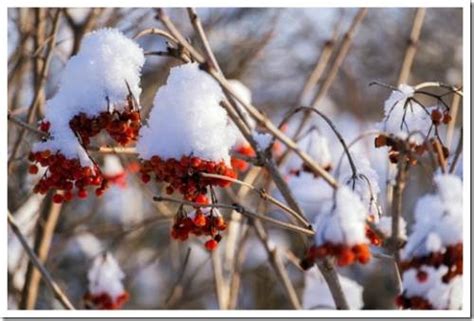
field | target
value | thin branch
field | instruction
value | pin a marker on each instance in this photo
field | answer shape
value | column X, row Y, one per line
column 263, row 194
column 457, row 153
column 240, row 209
column 412, row 46
column 58, row 293
column 43, row 238
column 39, row 88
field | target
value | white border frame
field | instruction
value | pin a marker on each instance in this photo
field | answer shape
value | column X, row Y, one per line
column 243, row 313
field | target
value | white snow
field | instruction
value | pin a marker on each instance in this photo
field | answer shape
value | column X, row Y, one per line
column 385, row 226
column 401, row 120
column 317, row 146
column 342, row 222
column 112, row 166
column 366, row 184
column 316, row 294
column 187, row 119
column 105, row 276
column 263, row 140
column 310, row 192
column 105, row 63
column 441, row 295
column 438, row 218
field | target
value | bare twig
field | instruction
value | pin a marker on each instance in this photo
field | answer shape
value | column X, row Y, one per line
column 412, row 46
column 38, row 90
column 240, row 209
column 43, row 238
column 457, row 153
column 264, row 195
column 275, row 260
column 58, row 293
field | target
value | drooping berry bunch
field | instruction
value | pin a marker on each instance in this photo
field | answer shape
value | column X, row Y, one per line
column 122, row 126
column 239, row 164
column 451, row 257
column 65, row 174
column 345, row 255
column 184, row 175
column 414, row 303
column 104, row 301
column 414, row 150
column 373, row 237
column 202, row 224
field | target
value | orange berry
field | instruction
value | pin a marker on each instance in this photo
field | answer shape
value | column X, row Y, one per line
column 199, row 219
column 201, row 199
column 211, row 245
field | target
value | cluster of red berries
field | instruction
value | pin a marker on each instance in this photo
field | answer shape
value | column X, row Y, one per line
column 184, row 175
column 452, row 258
column 345, row 255
column 239, row 164
column 438, row 117
column 373, row 237
column 103, row 301
column 414, row 151
column 414, row 303
column 122, row 126
column 65, row 174
column 210, row 224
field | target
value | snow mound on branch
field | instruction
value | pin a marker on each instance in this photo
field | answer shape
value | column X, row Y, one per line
column 366, row 184
column 310, row 192
column 316, row 145
column 316, row 294
column 440, row 295
column 112, row 166
column 385, row 226
column 438, row 218
column 93, row 81
column 403, row 116
column 105, row 276
column 187, row 119
column 263, row 140
column 342, row 220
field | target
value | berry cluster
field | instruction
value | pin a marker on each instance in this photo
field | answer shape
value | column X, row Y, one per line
column 414, row 150
column 346, row 255
column 65, row 174
column 104, row 301
column 414, row 303
column 209, row 224
column 373, row 237
column 452, row 257
column 184, row 175
column 122, row 126
column 239, row 164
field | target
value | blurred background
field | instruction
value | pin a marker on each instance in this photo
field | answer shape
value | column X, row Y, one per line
column 273, row 52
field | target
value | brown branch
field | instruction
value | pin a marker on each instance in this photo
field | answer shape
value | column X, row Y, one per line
column 43, row 239
column 58, row 293
column 275, row 260
column 396, row 209
column 240, row 209
column 38, row 90
column 457, row 153
column 412, row 46
column 263, row 194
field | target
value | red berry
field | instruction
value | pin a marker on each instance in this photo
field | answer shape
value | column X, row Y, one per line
column 422, row 276
column 33, row 169
column 82, row 193
column 211, row 245
column 58, row 198
column 145, row 178
column 201, row 199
